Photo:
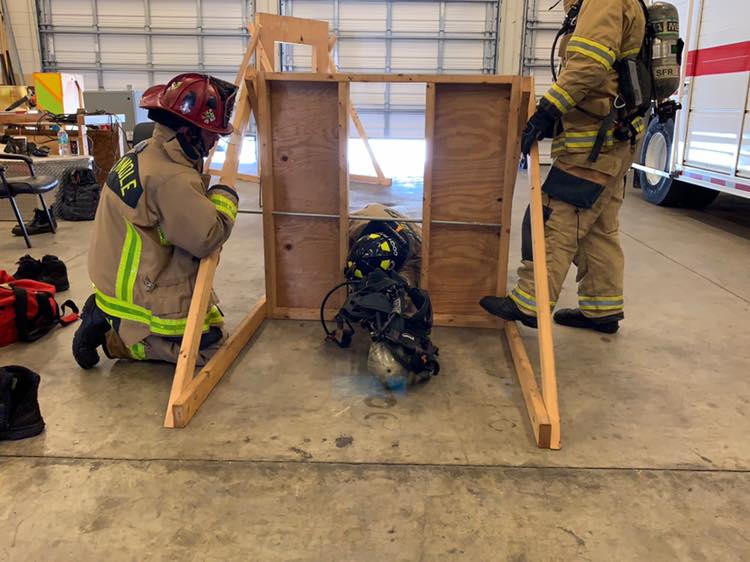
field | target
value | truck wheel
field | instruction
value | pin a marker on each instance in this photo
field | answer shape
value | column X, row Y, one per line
column 657, row 146
column 695, row 197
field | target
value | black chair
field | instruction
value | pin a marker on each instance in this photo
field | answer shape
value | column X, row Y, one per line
column 26, row 185
column 143, row 131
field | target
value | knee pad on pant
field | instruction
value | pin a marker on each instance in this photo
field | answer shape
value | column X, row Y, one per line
column 527, row 253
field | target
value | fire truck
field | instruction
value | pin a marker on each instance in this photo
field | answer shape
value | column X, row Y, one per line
column 705, row 149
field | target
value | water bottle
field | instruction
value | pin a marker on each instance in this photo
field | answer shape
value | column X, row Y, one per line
column 63, row 142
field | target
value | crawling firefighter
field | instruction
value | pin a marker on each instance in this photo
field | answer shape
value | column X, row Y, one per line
column 154, row 223
column 594, row 112
column 382, row 277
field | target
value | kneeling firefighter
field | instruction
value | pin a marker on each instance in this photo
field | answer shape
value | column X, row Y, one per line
column 382, row 276
column 154, row 223
column 619, row 57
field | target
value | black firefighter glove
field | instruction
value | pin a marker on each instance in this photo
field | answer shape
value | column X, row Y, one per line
column 540, row 126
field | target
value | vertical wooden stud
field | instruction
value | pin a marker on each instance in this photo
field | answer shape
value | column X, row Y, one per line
column 429, row 135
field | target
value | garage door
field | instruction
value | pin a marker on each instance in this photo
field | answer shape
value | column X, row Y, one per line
column 396, row 36
column 138, row 43
column 542, row 24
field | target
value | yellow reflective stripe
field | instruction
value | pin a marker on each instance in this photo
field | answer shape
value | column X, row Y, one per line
column 639, row 125
column 138, row 351
column 525, row 300
column 224, row 205
column 555, row 102
column 162, row 239
column 601, row 303
column 160, row 326
column 592, row 49
column 564, row 94
column 129, row 261
column 561, row 99
column 629, row 53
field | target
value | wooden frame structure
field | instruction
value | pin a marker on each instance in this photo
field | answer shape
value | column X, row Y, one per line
column 472, row 133
column 270, row 29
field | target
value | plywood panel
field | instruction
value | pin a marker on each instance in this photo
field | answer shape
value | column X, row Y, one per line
column 471, row 122
column 304, row 117
column 463, row 268
column 307, row 259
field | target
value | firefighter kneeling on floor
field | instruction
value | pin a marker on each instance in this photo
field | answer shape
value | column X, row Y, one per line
column 154, row 223
column 593, row 148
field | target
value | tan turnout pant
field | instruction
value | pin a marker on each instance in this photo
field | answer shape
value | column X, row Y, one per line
column 587, row 237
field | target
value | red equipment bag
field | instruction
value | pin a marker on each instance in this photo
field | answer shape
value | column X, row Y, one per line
column 28, row 309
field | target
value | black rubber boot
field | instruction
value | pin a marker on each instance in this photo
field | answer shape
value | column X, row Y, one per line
column 55, row 273
column 38, row 225
column 90, row 334
column 19, row 407
column 505, row 308
column 574, row 318
column 29, row 268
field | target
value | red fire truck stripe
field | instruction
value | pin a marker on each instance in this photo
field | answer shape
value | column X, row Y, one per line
column 724, row 59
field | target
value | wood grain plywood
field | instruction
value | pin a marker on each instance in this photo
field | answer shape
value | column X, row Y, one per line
column 307, row 260
column 304, row 117
column 468, row 164
column 463, row 268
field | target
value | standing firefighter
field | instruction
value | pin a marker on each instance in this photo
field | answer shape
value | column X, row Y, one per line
column 593, row 148
column 155, row 221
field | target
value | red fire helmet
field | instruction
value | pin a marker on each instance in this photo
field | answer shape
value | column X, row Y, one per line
column 200, row 99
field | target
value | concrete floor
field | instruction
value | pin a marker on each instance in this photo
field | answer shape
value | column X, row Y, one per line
column 299, row 455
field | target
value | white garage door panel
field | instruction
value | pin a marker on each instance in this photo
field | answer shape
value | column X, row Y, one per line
column 119, row 42
column 416, row 18
column 368, row 94
column 322, row 10
column 461, row 17
column 414, row 56
column 223, row 51
column 400, row 36
column 174, row 14
column 362, row 55
column 123, row 49
column 116, row 13
column 120, row 80
column 71, row 12
column 75, row 49
column 358, row 16
column 222, row 14
column 178, row 51
column 463, row 57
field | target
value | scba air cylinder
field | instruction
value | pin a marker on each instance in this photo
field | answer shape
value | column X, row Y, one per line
column 667, row 48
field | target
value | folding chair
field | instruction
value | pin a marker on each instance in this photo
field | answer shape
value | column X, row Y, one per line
column 26, row 185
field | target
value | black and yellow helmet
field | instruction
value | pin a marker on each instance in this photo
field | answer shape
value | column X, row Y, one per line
column 376, row 250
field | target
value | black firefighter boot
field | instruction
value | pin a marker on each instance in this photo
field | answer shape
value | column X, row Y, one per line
column 19, row 408
column 505, row 308
column 90, row 334
column 38, row 225
column 574, row 318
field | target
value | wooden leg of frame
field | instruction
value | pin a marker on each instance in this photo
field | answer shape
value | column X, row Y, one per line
column 196, row 392
column 535, row 407
column 541, row 288
column 191, row 339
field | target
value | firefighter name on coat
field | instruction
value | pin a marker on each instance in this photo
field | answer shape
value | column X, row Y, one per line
column 124, row 180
